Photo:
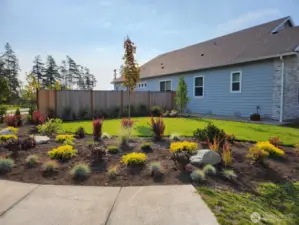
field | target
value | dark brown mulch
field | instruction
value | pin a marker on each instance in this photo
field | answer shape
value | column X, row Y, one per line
column 274, row 170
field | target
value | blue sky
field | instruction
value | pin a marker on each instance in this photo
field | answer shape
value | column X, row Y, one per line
column 92, row 31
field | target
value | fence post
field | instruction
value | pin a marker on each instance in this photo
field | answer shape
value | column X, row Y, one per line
column 149, row 100
column 37, row 103
column 121, row 101
column 55, row 102
column 91, row 103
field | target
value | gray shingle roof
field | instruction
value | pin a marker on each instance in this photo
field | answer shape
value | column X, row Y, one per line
column 246, row 45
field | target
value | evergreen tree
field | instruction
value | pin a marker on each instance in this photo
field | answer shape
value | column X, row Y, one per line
column 11, row 70
column 181, row 97
column 64, row 75
column 81, row 78
column 90, row 81
column 38, row 69
column 73, row 72
column 51, row 73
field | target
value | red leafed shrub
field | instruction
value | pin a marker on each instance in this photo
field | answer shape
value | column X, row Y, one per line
column 11, row 120
column 275, row 141
column 37, row 118
column 158, row 126
column 97, row 128
column 127, row 123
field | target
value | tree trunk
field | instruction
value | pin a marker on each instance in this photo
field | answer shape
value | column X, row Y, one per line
column 129, row 111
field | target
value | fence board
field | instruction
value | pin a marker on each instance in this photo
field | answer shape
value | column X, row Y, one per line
column 99, row 100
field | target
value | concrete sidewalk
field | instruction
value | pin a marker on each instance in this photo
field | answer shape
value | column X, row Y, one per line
column 77, row 205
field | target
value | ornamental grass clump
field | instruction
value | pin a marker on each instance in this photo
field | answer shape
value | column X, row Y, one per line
column 198, row 175
column 112, row 149
column 64, row 152
column 126, row 123
column 80, row 171
column 113, row 172
column 229, row 174
column 158, row 127
column 49, row 167
column 209, row 169
column 32, row 160
column 227, row 157
column 183, row 146
column 270, row 148
column 134, row 158
column 6, row 165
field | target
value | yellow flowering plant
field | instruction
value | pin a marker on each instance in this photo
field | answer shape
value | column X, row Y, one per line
column 13, row 129
column 271, row 149
column 65, row 138
column 183, row 146
column 6, row 137
column 134, row 158
column 63, row 152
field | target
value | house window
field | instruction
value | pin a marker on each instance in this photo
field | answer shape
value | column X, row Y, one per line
column 236, row 82
column 198, row 86
column 165, row 85
column 144, row 84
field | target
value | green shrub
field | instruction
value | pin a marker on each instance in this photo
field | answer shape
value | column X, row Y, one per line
column 80, row 132
column 146, row 145
column 229, row 174
column 113, row 172
column 113, row 149
column 209, row 133
column 83, row 114
column 32, row 160
column 209, row 169
column 143, row 110
column 6, row 165
column 80, row 171
column 67, row 113
column 198, row 175
column 50, row 167
column 181, row 158
column 52, row 126
column 156, row 111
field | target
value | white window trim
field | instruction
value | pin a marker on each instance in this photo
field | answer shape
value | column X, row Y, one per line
column 231, row 82
column 203, row 86
column 165, row 81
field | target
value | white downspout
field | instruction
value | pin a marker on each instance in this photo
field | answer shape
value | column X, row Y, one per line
column 282, row 90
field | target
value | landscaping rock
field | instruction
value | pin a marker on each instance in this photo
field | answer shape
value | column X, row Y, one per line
column 205, row 156
column 6, row 131
column 41, row 139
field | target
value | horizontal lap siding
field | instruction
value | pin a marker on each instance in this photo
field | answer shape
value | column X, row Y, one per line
column 257, row 90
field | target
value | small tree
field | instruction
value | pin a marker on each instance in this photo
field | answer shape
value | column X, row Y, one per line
column 131, row 70
column 182, row 98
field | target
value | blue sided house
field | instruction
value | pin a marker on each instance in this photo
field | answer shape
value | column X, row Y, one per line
column 256, row 69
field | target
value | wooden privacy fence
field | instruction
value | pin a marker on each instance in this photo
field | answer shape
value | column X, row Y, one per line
column 76, row 100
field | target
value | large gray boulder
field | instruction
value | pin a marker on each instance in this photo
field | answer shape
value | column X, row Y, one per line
column 41, row 139
column 205, row 156
column 6, row 131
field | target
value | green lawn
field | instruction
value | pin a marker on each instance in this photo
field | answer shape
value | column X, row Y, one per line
column 276, row 204
column 186, row 126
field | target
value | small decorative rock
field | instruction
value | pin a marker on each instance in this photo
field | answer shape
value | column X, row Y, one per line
column 6, row 131
column 205, row 156
column 41, row 139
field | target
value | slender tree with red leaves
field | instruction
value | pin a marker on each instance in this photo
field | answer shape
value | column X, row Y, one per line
column 131, row 70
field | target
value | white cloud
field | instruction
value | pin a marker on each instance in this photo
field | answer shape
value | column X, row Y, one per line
column 248, row 19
